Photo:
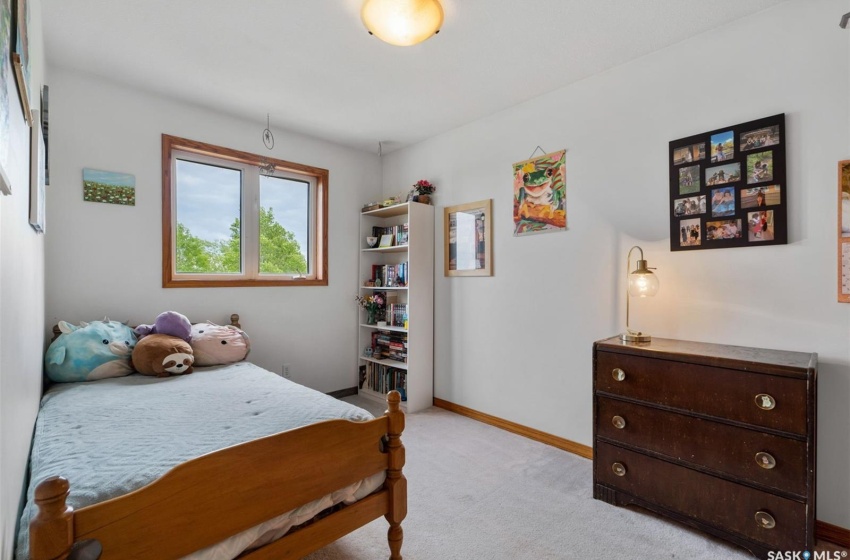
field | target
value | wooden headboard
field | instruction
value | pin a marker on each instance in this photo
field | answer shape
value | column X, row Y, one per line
column 234, row 321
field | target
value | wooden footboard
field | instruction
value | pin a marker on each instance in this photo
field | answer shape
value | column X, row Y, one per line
column 208, row 499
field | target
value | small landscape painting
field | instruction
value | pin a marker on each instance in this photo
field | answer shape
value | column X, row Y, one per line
column 109, row 187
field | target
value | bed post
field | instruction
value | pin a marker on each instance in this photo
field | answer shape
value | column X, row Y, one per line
column 52, row 528
column 396, row 482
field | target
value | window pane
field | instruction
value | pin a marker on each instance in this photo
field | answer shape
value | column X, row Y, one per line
column 284, row 226
column 209, row 206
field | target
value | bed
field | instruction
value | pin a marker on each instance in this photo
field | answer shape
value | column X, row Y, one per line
column 276, row 471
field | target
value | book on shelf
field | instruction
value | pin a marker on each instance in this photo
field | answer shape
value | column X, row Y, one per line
column 383, row 379
column 398, row 234
column 396, row 314
column 390, row 275
column 389, row 345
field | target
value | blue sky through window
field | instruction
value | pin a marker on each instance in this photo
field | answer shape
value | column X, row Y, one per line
column 209, row 199
column 289, row 201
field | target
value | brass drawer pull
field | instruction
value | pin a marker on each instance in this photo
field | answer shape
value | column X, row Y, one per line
column 765, row 401
column 619, row 422
column 765, row 520
column 618, row 374
column 619, row 469
column 765, row 460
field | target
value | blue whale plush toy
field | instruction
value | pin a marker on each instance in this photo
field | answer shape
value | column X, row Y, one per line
column 95, row 350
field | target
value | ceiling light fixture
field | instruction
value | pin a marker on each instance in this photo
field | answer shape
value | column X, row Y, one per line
column 267, row 167
column 402, row 22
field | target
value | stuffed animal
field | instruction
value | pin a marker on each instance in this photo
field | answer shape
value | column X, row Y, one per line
column 170, row 323
column 216, row 345
column 91, row 351
column 162, row 355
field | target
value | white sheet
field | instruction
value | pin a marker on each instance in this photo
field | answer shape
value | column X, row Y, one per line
column 112, row 436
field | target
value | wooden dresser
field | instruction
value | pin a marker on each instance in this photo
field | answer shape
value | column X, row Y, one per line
column 721, row 438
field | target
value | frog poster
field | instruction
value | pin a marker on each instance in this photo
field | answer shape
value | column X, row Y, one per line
column 540, row 193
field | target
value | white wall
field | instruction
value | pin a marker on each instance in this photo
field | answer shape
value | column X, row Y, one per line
column 21, row 302
column 105, row 259
column 518, row 345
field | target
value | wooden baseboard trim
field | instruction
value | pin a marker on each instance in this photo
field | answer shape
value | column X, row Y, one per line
column 519, row 429
column 823, row 530
column 832, row 533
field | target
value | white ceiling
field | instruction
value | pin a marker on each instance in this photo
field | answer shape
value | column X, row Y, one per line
column 311, row 64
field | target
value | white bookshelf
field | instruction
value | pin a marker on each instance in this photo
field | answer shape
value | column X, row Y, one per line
column 418, row 294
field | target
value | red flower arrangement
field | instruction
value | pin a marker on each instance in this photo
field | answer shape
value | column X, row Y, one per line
column 423, row 187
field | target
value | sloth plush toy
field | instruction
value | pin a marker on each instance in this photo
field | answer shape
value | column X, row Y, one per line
column 162, row 355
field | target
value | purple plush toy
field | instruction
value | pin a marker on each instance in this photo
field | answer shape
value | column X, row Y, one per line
column 168, row 322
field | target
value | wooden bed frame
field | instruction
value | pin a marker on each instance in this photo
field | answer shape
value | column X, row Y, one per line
column 206, row 500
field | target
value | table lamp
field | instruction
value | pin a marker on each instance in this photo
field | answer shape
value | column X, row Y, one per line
column 641, row 282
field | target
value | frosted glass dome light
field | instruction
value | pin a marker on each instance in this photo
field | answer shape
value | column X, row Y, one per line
column 402, row 22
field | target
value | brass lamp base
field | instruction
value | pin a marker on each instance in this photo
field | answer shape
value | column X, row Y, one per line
column 635, row 337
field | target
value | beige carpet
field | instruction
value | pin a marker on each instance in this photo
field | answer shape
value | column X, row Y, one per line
column 477, row 492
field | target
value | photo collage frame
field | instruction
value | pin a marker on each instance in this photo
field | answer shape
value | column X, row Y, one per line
column 728, row 187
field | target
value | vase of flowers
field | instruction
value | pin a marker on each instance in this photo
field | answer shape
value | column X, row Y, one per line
column 372, row 304
column 423, row 189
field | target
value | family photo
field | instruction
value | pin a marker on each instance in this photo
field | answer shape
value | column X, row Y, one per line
column 760, row 138
column 688, row 154
column 723, row 202
column 723, row 229
column 719, row 175
column 761, row 196
column 760, row 167
column 722, row 146
column 689, row 233
column 760, row 225
column 689, row 180
column 689, row 206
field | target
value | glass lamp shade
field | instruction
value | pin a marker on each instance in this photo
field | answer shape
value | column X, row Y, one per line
column 643, row 283
column 402, row 22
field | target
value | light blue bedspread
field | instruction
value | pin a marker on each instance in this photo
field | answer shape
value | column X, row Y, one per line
column 112, row 436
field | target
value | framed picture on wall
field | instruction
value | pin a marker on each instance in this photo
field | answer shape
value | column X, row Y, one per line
column 844, row 231
column 728, row 187
column 468, row 237
column 20, row 55
column 37, row 202
column 540, row 191
column 45, row 129
column 6, row 89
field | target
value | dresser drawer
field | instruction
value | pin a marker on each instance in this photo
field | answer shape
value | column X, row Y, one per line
column 714, row 445
column 722, row 504
column 719, row 392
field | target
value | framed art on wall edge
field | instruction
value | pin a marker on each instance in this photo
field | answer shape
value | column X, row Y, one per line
column 5, row 186
column 37, row 214
column 20, row 55
column 468, row 239
column 844, row 231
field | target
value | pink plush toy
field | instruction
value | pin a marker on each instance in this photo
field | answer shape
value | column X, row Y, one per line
column 216, row 345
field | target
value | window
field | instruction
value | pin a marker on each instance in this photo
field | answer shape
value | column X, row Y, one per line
column 226, row 224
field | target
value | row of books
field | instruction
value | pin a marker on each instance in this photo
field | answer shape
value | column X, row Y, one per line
column 390, row 275
column 383, row 379
column 389, row 345
column 397, row 315
column 399, row 233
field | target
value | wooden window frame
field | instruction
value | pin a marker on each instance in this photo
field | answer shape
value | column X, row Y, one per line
column 318, row 217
